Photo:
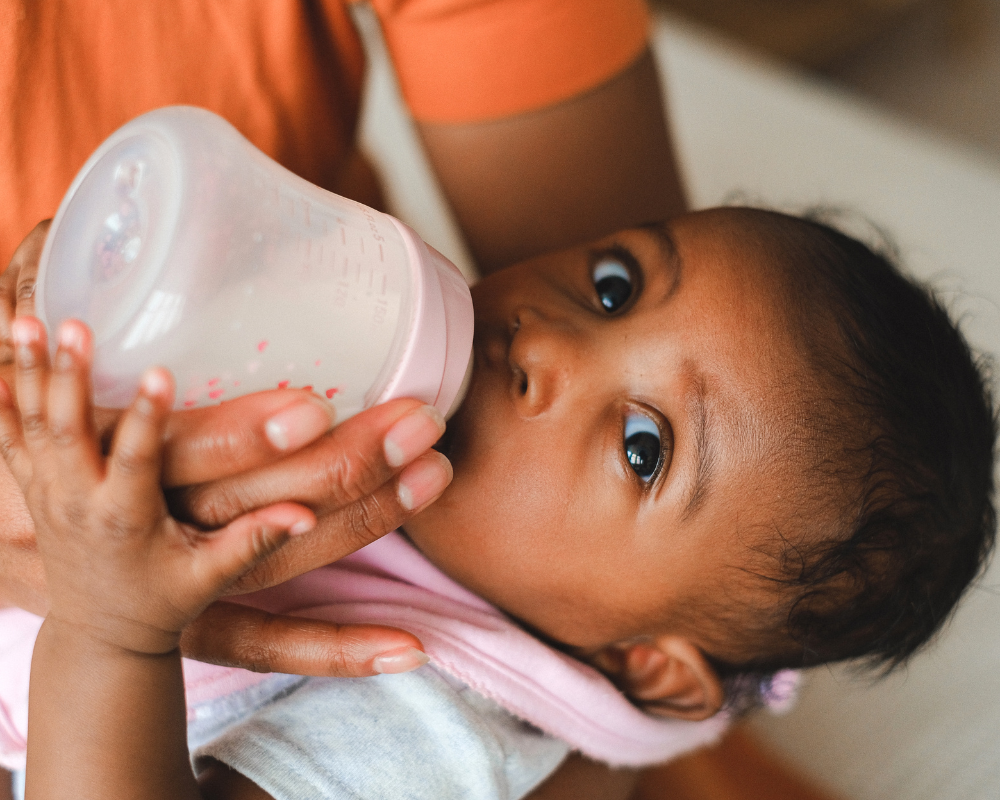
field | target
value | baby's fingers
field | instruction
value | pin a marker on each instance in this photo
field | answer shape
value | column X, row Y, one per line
column 31, row 377
column 232, row 551
column 135, row 462
column 70, row 418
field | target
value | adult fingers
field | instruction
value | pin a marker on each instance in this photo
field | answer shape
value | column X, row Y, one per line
column 353, row 461
column 17, row 285
column 206, row 444
column 240, row 636
column 350, row 528
column 232, row 551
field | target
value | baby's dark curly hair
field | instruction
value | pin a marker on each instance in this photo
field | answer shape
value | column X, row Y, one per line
column 904, row 437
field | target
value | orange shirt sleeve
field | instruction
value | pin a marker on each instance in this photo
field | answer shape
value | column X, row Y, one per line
column 286, row 74
column 472, row 60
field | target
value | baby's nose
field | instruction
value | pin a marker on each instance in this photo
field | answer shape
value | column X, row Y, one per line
column 543, row 356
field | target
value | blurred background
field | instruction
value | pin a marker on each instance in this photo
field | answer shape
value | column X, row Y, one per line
column 934, row 61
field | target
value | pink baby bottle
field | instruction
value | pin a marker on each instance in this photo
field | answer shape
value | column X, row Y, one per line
column 180, row 244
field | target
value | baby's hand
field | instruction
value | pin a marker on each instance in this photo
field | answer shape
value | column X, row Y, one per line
column 118, row 566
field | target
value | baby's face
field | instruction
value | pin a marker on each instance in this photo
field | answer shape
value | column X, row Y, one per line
column 620, row 449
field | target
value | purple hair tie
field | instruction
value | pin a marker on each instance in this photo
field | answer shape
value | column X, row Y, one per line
column 781, row 692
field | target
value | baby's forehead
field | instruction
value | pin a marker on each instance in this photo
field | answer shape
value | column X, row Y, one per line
column 749, row 378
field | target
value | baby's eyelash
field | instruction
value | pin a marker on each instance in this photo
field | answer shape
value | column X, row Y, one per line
column 616, row 278
column 644, row 447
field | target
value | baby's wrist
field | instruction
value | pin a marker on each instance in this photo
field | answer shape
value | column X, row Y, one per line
column 112, row 635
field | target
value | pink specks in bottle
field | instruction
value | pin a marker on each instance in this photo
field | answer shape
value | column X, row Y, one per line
column 307, row 388
column 331, row 392
column 215, row 394
column 213, row 382
column 190, row 403
column 283, row 384
column 262, row 346
column 317, row 362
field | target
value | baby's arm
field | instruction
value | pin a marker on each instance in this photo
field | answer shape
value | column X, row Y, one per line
column 107, row 713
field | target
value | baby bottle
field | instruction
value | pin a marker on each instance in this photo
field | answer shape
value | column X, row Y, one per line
column 182, row 245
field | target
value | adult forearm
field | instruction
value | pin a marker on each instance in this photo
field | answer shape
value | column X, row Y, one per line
column 559, row 176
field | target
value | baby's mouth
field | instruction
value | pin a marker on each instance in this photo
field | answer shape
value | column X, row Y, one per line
column 443, row 445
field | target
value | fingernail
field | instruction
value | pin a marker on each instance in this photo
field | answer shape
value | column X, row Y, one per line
column 297, row 425
column 24, row 332
column 405, row 659
column 412, row 435
column 423, row 481
column 302, row 526
column 71, row 337
column 154, row 382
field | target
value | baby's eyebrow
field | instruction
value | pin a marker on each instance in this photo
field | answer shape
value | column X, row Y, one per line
column 698, row 411
column 668, row 250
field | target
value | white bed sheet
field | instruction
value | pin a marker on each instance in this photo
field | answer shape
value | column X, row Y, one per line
column 747, row 129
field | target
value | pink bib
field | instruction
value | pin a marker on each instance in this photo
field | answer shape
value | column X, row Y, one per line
column 390, row 582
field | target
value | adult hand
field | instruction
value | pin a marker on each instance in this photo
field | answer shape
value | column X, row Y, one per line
column 363, row 479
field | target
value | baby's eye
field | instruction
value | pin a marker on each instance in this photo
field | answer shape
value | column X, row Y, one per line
column 642, row 445
column 613, row 282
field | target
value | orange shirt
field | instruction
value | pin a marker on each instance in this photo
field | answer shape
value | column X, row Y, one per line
column 287, row 74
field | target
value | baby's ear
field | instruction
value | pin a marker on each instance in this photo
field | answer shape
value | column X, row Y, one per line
column 667, row 676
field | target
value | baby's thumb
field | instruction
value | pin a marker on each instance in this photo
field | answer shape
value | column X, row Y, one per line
column 248, row 540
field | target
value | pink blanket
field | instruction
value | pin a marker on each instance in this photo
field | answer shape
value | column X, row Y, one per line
column 390, row 582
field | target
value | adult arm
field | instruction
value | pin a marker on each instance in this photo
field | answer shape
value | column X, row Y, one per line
column 569, row 173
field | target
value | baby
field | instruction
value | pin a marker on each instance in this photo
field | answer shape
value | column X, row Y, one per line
column 692, row 454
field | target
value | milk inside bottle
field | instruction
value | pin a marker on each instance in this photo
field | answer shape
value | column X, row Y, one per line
column 182, row 245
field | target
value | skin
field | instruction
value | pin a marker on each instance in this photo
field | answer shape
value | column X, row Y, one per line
column 578, row 547
column 563, row 175
column 583, row 550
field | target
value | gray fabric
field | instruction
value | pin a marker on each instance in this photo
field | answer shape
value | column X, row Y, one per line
column 399, row 737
